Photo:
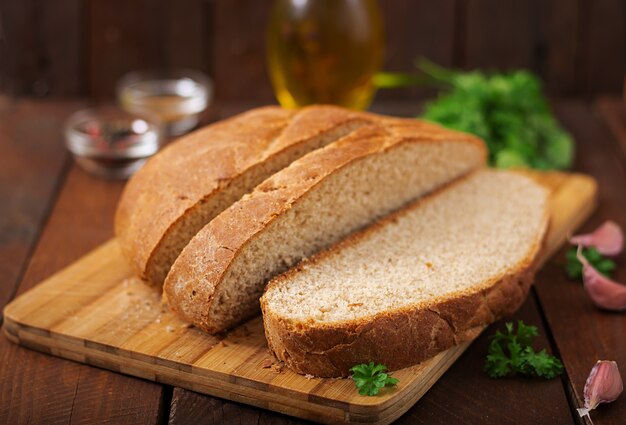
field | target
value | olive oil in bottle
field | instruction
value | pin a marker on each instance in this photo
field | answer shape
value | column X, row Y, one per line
column 324, row 51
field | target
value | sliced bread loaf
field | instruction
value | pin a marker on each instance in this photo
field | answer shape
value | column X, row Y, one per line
column 217, row 280
column 195, row 178
column 414, row 284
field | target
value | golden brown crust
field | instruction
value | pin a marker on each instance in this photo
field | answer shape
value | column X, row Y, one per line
column 398, row 338
column 177, row 178
column 195, row 168
column 197, row 273
column 205, row 261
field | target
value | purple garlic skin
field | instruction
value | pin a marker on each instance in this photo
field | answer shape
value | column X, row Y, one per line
column 604, row 292
column 603, row 385
column 608, row 239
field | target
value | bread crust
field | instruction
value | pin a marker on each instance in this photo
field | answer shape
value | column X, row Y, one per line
column 199, row 166
column 199, row 271
column 402, row 337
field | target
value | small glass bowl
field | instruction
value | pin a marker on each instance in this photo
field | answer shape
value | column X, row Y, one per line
column 177, row 97
column 111, row 142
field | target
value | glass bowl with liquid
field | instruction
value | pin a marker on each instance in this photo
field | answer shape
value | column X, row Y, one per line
column 110, row 142
column 177, row 97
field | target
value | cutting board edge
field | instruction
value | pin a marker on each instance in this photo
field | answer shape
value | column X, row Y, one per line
column 383, row 413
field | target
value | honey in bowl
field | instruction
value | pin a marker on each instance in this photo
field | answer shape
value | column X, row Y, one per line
column 324, row 51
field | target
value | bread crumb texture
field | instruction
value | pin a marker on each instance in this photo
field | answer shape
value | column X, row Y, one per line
column 191, row 181
column 315, row 202
column 458, row 240
column 461, row 256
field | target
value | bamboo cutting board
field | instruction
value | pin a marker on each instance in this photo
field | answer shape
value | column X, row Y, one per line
column 95, row 311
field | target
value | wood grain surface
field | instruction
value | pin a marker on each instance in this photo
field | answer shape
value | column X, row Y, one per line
column 41, row 47
column 34, row 162
column 95, row 311
column 611, row 111
column 602, row 46
column 74, row 47
column 582, row 333
column 42, row 389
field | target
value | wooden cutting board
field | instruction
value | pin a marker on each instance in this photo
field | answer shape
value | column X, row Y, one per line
column 96, row 312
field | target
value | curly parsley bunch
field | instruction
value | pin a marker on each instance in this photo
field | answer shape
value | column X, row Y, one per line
column 511, row 353
column 507, row 110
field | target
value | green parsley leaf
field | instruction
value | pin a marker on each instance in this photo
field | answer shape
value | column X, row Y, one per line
column 370, row 379
column 507, row 110
column 525, row 333
column 574, row 268
column 511, row 353
column 542, row 363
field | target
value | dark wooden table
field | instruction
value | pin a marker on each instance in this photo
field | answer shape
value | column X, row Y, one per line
column 51, row 213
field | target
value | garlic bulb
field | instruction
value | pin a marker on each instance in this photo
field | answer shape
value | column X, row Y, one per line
column 603, row 385
column 608, row 239
column 604, row 292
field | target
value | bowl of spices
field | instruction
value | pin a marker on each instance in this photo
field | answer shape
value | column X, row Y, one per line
column 111, row 142
column 177, row 97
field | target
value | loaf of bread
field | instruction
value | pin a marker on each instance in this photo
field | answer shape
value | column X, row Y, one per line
column 195, row 178
column 414, row 284
column 320, row 198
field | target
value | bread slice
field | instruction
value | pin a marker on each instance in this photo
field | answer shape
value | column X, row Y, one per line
column 192, row 180
column 217, row 280
column 414, row 284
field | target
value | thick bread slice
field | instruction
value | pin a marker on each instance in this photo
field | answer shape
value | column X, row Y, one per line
column 192, row 180
column 217, row 280
column 416, row 283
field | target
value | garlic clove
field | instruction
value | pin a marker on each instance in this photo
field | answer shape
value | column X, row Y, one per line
column 608, row 239
column 603, row 385
column 604, row 292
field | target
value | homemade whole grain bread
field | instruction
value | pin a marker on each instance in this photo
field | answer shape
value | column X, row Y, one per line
column 414, row 284
column 195, row 178
column 218, row 278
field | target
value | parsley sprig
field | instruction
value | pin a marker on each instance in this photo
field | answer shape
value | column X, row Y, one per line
column 370, row 379
column 574, row 268
column 508, row 110
column 512, row 353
